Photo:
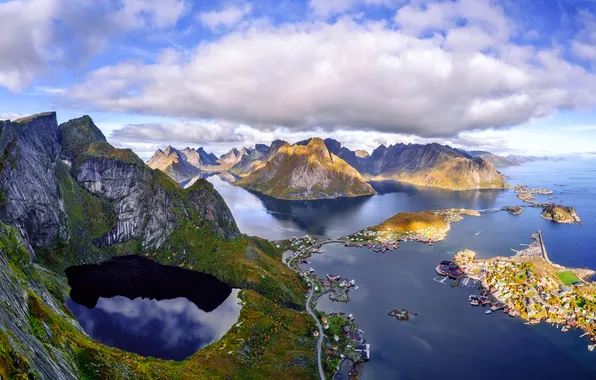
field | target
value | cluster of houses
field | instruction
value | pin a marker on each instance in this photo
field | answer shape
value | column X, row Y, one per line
column 301, row 242
column 536, row 295
column 383, row 240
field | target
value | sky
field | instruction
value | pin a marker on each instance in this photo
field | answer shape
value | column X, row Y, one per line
column 509, row 76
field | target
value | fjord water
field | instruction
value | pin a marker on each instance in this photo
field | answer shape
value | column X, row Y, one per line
column 449, row 338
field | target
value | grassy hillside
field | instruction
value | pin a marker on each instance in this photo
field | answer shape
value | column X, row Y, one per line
column 269, row 341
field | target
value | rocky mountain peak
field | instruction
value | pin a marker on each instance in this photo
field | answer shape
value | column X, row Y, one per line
column 77, row 134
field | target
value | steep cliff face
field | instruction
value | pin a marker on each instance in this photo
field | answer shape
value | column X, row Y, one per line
column 145, row 204
column 432, row 165
column 148, row 204
column 306, row 172
column 29, row 194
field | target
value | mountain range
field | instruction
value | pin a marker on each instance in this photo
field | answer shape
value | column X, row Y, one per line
column 326, row 169
column 67, row 197
column 308, row 171
column 509, row 160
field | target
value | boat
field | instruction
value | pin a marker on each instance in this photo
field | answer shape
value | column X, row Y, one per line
column 591, row 347
column 474, row 302
column 310, row 270
column 488, row 312
column 450, row 269
column 564, row 328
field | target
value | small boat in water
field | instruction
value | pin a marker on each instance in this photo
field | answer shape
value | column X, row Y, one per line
column 591, row 347
column 488, row 312
column 564, row 328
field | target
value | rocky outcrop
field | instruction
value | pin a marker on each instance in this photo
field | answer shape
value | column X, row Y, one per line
column 29, row 194
column 560, row 214
column 306, row 172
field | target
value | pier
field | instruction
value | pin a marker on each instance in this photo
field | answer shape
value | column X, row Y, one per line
column 544, row 254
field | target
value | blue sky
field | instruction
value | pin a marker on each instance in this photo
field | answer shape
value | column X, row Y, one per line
column 506, row 76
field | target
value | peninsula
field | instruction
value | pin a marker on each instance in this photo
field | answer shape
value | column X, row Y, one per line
column 426, row 227
column 528, row 285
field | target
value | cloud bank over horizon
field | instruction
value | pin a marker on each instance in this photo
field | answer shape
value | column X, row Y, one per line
column 368, row 71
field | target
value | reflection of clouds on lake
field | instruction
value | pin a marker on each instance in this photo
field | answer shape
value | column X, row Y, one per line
column 168, row 325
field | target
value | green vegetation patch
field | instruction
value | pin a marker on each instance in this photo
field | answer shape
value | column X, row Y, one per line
column 567, row 277
column 77, row 134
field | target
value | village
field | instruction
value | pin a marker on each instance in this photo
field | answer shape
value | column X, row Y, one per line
column 528, row 285
column 344, row 339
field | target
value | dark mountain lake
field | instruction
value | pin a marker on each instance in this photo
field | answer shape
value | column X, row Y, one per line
column 154, row 310
column 449, row 339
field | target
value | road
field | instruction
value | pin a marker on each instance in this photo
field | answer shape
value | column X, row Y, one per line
column 321, row 336
column 312, row 314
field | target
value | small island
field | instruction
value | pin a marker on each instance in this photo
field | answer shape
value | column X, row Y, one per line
column 513, row 210
column 401, row 314
column 560, row 214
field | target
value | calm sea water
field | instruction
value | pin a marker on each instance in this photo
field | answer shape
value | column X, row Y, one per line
column 449, row 338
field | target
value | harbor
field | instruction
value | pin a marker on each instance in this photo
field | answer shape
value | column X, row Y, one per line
column 529, row 286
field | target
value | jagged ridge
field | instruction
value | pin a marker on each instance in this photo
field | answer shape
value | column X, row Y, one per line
column 306, row 172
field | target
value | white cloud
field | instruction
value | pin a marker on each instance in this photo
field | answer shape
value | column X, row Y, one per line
column 420, row 17
column 352, row 75
column 39, row 35
column 25, row 33
column 226, row 17
column 583, row 50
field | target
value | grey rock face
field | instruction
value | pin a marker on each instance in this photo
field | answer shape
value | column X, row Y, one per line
column 14, row 313
column 30, row 195
column 144, row 209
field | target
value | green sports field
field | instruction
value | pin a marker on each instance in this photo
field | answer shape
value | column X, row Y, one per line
column 567, row 277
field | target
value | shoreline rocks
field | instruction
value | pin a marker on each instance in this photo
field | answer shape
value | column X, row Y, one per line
column 513, row 210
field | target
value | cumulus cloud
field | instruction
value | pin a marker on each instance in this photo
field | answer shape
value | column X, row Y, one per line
column 36, row 35
column 190, row 133
column 228, row 16
column 356, row 74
